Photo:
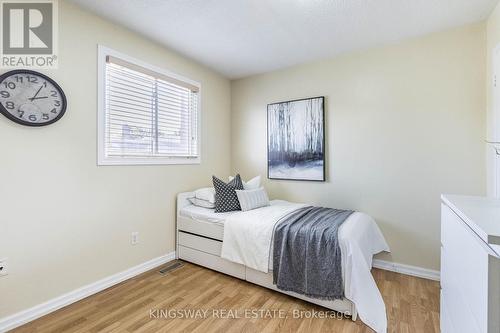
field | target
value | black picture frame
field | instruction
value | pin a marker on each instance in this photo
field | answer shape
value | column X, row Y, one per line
column 271, row 160
column 45, row 77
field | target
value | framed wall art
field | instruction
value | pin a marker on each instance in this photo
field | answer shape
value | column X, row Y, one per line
column 296, row 140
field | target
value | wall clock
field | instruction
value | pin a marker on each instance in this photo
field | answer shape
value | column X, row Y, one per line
column 31, row 98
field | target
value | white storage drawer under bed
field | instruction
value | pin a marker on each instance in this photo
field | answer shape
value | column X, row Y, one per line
column 204, row 244
column 213, row 262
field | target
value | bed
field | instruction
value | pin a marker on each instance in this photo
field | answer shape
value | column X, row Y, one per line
column 200, row 235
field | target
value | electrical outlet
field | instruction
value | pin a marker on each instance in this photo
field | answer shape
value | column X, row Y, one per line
column 3, row 267
column 134, row 238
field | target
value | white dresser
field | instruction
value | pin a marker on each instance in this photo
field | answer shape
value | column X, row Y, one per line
column 470, row 264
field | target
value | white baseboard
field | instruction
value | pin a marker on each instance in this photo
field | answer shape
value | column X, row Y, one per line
column 23, row 317
column 407, row 269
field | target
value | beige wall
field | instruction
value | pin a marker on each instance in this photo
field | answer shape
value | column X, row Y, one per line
column 493, row 40
column 62, row 218
column 404, row 124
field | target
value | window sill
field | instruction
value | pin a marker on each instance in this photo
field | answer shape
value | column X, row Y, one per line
column 107, row 161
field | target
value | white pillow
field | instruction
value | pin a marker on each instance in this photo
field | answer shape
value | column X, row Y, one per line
column 252, row 184
column 201, row 203
column 206, row 194
column 251, row 199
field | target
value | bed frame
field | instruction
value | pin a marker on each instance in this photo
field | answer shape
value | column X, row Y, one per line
column 200, row 242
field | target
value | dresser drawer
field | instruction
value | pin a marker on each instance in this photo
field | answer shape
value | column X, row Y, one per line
column 464, row 271
column 455, row 307
column 445, row 320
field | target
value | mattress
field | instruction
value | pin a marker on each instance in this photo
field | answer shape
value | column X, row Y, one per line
column 202, row 214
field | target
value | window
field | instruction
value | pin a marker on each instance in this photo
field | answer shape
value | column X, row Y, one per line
column 146, row 115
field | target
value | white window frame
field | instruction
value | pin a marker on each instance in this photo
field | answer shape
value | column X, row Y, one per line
column 102, row 159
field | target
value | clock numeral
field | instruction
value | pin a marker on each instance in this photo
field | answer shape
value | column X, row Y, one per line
column 32, row 117
column 45, row 84
column 57, row 103
column 10, row 85
column 53, row 110
column 19, row 79
column 45, row 116
column 53, row 93
column 32, row 79
column 21, row 113
column 10, row 105
column 4, row 94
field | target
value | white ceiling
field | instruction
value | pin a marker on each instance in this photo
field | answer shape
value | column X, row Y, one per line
column 243, row 37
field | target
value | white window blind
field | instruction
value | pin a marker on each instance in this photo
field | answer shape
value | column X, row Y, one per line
column 148, row 114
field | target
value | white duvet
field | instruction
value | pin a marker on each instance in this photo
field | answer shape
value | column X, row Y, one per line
column 248, row 241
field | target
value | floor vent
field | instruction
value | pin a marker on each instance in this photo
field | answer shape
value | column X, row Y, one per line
column 171, row 266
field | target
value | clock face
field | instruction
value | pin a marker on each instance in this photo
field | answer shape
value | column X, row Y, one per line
column 31, row 98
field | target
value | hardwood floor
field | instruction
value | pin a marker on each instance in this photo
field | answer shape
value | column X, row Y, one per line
column 134, row 306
